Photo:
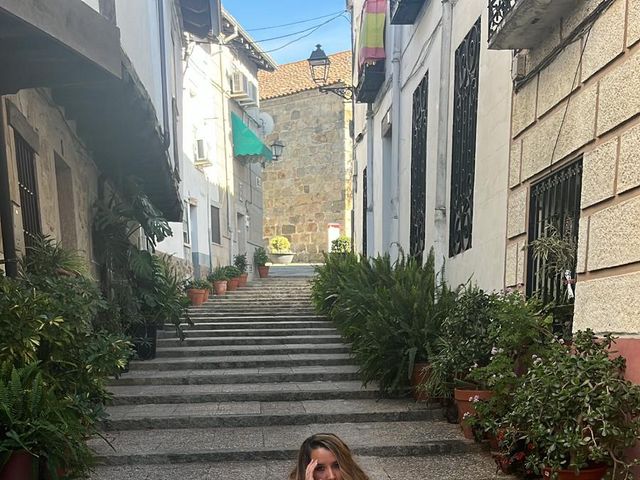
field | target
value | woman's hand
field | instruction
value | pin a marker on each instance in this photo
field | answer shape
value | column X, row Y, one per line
column 310, row 469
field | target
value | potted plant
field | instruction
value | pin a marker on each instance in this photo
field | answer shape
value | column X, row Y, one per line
column 464, row 345
column 281, row 250
column 198, row 291
column 341, row 245
column 218, row 278
column 240, row 262
column 577, row 411
column 260, row 258
column 233, row 276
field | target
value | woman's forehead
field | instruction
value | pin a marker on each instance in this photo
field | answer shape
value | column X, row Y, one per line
column 323, row 456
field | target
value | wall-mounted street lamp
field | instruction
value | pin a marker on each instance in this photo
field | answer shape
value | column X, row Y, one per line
column 319, row 64
column 277, row 148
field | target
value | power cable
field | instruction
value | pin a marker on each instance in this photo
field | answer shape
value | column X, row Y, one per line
column 296, row 33
column 315, row 29
column 295, row 23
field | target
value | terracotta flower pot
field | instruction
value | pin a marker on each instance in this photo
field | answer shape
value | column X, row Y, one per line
column 419, row 376
column 464, row 401
column 263, row 271
column 596, row 473
column 197, row 296
column 220, row 287
column 21, row 466
column 232, row 284
column 243, row 280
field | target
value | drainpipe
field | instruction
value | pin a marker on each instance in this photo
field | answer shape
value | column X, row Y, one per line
column 230, row 231
column 396, row 146
column 440, row 243
column 166, row 136
column 371, row 247
column 6, row 210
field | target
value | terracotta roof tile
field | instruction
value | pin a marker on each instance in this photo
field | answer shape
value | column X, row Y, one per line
column 295, row 77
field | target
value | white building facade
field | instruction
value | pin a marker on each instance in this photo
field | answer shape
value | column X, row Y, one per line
column 431, row 136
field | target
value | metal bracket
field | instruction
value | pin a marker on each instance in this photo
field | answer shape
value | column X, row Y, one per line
column 343, row 91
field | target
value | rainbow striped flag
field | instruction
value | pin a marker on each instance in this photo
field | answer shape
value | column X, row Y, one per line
column 371, row 41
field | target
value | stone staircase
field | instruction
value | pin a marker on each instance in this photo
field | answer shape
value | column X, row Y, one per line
column 257, row 374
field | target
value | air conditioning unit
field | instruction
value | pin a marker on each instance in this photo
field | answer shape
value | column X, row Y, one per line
column 239, row 85
column 202, row 154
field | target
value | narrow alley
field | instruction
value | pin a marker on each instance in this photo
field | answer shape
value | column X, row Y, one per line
column 258, row 373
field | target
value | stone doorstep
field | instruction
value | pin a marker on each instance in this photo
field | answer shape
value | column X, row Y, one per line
column 220, row 314
column 241, row 351
column 236, row 376
column 467, row 466
column 250, row 361
column 204, row 338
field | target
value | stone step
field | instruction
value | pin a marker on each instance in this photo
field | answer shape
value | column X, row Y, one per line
column 467, row 466
column 224, row 325
column 257, row 312
column 383, row 439
column 260, row 414
column 242, row 392
column 248, row 350
column 205, row 318
column 251, row 361
column 203, row 338
column 239, row 375
column 249, row 330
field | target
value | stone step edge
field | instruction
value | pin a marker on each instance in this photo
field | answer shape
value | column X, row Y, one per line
column 426, row 449
column 261, row 396
column 188, row 422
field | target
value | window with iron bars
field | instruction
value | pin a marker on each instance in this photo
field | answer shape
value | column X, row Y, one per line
column 28, row 185
column 463, row 160
column 419, row 169
column 554, row 210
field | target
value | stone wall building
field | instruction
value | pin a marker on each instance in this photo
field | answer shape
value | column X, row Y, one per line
column 574, row 154
column 308, row 193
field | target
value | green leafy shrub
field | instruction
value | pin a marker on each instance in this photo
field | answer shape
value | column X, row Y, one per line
column 197, row 284
column 260, row 257
column 342, row 244
column 576, row 408
column 240, row 262
column 390, row 312
column 280, row 244
column 219, row 274
column 232, row 271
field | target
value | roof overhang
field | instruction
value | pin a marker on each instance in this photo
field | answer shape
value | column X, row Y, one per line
column 119, row 124
column 49, row 43
column 243, row 43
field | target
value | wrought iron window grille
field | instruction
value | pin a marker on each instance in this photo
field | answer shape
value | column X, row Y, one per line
column 465, row 119
column 419, row 168
column 28, row 185
column 555, row 202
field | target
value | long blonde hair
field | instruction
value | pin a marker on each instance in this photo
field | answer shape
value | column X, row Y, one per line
column 349, row 468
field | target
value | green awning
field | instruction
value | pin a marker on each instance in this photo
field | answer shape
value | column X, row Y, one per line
column 246, row 144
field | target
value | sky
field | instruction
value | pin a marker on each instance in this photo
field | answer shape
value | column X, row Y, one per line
column 335, row 36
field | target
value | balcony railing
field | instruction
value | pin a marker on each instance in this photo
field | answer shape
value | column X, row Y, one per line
column 371, row 80
column 405, row 12
column 515, row 24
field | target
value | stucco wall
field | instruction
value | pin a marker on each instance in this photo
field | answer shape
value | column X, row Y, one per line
column 601, row 123
column 310, row 186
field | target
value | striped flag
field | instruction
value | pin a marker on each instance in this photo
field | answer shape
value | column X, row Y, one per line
column 372, row 32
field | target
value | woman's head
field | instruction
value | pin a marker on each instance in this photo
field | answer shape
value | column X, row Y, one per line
column 332, row 456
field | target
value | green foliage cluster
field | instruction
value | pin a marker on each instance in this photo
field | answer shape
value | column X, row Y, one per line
column 575, row 406
column 280, row 244
column 390, row 312
column 197, row 284
column 240, row 262
column 55, row 347
column 342, row 244
column 232, row 271
column 219, row 274
column 260, row 257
